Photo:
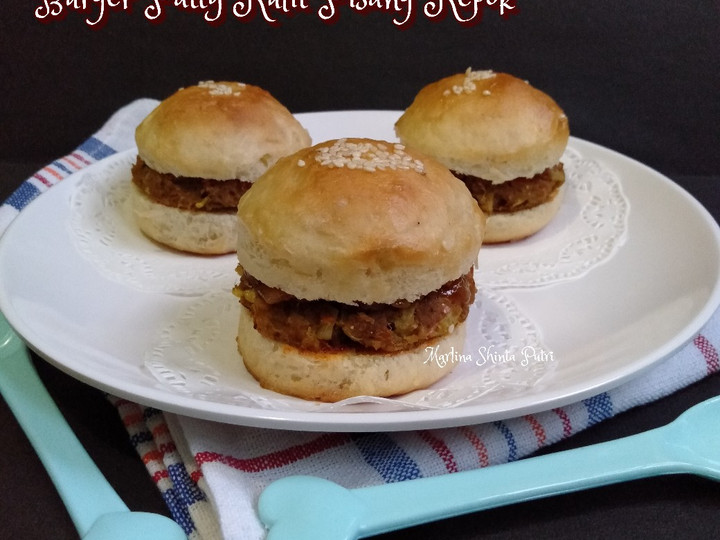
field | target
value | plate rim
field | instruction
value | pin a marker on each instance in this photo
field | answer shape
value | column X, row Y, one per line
column 375, row 421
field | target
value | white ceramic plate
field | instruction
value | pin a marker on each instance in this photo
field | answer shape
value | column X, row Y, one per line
column 638, row 303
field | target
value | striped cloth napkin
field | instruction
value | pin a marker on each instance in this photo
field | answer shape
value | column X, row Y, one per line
column 211, row 474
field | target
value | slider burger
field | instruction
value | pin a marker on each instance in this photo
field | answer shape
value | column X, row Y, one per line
column 502, row 137
column 355, row 259
column 198, row 151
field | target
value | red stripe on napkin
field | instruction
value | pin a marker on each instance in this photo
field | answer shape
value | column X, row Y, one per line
column 42, row 179
column 275, row 460
column 80, row 158
column 441, row 449
column 566, row 424
column 159, row 475
column 477, row 444
column 709, row 352
column 537, row 428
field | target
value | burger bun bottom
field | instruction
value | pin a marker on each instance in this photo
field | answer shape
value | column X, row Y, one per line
column 205, row 233
column 331, row 377
column 514, row 226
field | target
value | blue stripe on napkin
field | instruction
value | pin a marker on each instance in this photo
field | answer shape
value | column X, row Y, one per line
column 599, row 408
column 509, row 438
column 59, row 165
column 22, row 196
column 383, row 454
column 184, row 486
column 179, row 510
column 96, row 149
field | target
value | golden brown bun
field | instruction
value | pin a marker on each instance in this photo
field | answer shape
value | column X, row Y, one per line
column 205, row 233
column 486, row 124
column 513, row 226
column 331, row 377
column 341, row 232
column 218, row 130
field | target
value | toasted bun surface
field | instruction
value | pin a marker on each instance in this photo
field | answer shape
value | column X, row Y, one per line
column 486, row 124
column 385, row 225
column 513, row 226
column 218, row 130
column 334, row 376
column 205, row 233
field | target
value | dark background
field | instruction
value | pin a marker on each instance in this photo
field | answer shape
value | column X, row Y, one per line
column 639, row 77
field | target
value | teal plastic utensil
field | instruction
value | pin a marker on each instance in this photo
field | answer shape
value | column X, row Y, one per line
column 96, row 510
column 309, row 508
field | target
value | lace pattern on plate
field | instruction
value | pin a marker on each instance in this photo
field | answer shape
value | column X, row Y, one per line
column 103, row 230
column 504, row 355
column 588, row 229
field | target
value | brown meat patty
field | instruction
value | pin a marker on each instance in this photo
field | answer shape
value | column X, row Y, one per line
column 515, row 195
column 321, row 325
column 188, row 193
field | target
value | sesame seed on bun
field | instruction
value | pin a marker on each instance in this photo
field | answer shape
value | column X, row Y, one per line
column 364, row 262
column 491, row 129
column 199, row 150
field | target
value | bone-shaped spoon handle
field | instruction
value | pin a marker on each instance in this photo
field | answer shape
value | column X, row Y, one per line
column 81, row 485
column 403, row 504
column 309, row 508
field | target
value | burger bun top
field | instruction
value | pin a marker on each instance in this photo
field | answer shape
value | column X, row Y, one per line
column 358, row 220
column 490, row 125
column 220, row 131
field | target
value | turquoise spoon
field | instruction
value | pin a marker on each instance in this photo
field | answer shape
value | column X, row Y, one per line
column 96, row 510
column 309, row 508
